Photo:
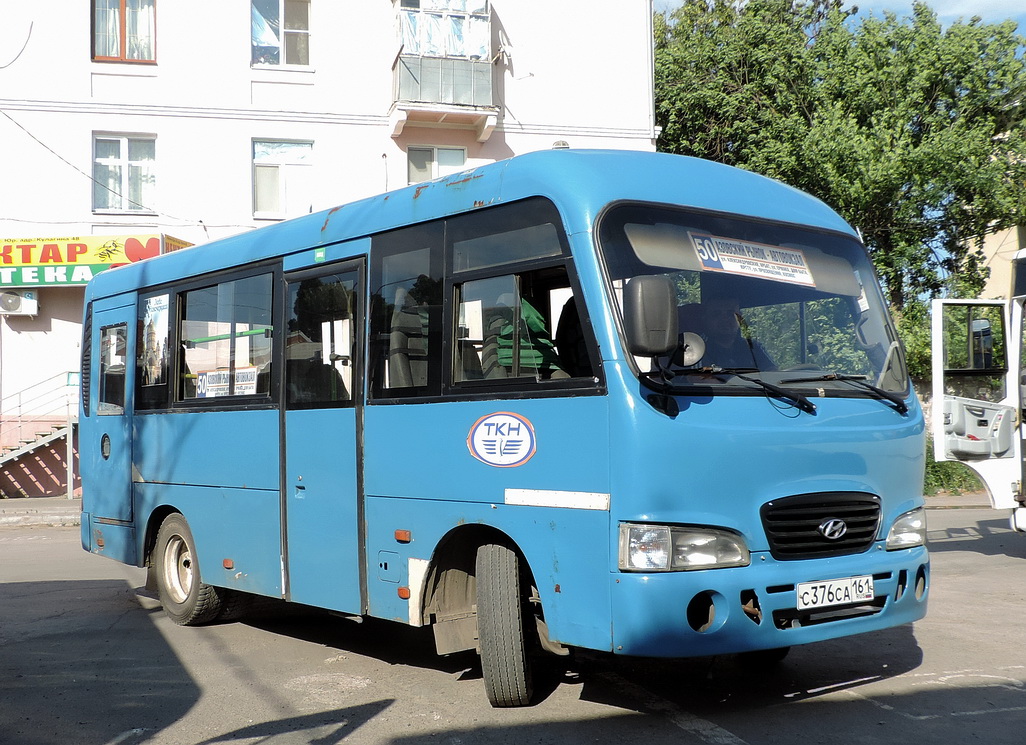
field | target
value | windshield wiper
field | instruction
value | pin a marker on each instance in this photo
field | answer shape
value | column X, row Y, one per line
column 859, row 380
column 665, row 386
column 802, row 402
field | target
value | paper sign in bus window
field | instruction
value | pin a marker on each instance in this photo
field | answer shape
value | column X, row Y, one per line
column 718, row 254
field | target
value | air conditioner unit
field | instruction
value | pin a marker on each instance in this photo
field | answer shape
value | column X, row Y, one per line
column 18, row 303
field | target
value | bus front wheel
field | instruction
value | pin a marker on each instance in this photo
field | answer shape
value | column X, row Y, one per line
column 505, row 662
column 186, row 600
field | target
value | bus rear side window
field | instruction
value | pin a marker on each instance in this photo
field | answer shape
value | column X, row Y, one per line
column 225, row 337
column 113, row 347
column 406, row 321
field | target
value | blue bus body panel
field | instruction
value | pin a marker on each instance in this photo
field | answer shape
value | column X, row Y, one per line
column 223, row 448
column 650, row 611
column 237, row 532
column 220, row 470
column 111, row 539
column 421, row 475
column 422, row 451
column 321, row 507
column 723, row 457
column 566, row 563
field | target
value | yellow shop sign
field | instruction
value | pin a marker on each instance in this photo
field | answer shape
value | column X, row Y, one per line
column 53, row 262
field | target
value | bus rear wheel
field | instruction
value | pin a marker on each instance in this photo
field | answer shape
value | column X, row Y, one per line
column 505, row 659
column 186, row 600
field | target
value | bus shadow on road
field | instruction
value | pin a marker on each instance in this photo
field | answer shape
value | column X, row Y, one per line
column 387, row 641
column 79, row 662
column 705, row 681
column 738, row 681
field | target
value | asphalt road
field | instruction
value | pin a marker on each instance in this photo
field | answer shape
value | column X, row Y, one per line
column 84, row 659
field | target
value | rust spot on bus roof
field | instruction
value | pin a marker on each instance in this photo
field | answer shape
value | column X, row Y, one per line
column 420, row 188
column 327, row 217
column 466, row 180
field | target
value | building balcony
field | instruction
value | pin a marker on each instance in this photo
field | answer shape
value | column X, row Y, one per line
column 444, row 91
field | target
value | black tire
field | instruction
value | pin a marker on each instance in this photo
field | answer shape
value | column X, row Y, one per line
column 186, row 600
column 505, row 663
column 234, row 604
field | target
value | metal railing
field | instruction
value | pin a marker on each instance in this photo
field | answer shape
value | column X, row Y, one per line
column 38, row 415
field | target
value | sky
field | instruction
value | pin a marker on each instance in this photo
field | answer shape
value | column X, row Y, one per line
column 991, row 11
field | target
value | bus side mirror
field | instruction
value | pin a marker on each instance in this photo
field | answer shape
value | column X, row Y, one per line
column 650, row 316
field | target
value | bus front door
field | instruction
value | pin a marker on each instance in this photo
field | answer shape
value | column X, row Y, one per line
column 977, row 419
column 323, row 387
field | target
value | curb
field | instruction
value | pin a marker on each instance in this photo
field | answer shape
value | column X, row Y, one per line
column 54, row 512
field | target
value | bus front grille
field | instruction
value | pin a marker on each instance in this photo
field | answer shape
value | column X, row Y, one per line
column 811, row 526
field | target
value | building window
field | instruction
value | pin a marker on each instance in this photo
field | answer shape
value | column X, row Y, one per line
column 123, row 173
column 281, row 32
column 125, row 30
column 281, row 179
column 427, row 163
column 445, row 28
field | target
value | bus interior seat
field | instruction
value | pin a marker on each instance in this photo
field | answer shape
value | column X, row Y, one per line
column 570, row 342
column 407, row 343
column 490, row 366
column 310, row 381
column 468, row 363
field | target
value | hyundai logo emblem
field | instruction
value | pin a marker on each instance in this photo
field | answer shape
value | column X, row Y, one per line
column 832, row 529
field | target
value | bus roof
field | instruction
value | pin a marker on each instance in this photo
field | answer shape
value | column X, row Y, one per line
column 580, row 182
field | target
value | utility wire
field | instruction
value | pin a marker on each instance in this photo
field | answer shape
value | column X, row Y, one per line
column 15, row 58
column 93, row 180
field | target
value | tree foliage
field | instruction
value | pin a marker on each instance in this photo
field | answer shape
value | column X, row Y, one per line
column 915, row 133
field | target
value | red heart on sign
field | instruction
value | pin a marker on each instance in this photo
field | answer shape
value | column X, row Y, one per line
column 136, row 251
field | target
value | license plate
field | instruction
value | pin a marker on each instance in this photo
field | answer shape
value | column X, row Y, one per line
column 834, row 592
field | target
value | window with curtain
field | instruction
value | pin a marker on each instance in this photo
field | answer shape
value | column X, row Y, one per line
column 445, row 28
column 125, row 30
column 123, row 173
column 280, row 32
column 281, row 179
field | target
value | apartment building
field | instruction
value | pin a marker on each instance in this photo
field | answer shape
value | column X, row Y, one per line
column 133, row 127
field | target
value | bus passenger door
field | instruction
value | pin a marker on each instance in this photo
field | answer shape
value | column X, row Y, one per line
column 323, row 389
column 977, row 418
column 106, row 435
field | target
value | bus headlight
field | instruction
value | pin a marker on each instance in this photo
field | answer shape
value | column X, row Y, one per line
column 665, row 548
column 909, row 530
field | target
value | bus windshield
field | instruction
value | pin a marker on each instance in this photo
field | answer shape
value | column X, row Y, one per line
column 786, row 305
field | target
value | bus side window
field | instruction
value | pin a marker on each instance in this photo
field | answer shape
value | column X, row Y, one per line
column 508, row 327
column 321, row 335
column 225, row 337
column 406, row 312
column 113, row 346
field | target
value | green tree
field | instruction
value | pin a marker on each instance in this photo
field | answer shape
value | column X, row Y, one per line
column 913, row 132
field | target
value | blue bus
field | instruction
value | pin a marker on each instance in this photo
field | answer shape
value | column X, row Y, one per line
column 618, row 401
